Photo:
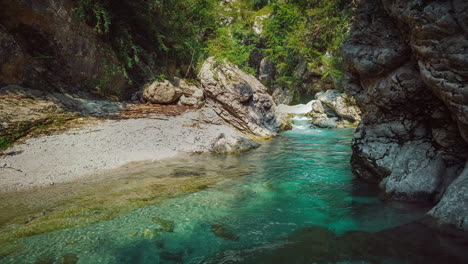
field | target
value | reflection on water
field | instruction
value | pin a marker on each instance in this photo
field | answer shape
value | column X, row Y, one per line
column 293, row 200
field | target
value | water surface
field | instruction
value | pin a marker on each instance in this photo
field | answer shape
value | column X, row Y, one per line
column 293, row 200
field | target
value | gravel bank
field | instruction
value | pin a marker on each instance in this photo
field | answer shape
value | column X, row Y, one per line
column 66, row 157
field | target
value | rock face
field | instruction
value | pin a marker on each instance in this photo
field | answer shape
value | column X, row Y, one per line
column 163, row 92
column 332, row 109
column 42, row 47
column 407, row 67
column 239, row 98
column 309, row 82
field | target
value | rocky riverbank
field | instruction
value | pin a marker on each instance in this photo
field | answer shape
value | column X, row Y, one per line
column 407, row 68
column 230, row 109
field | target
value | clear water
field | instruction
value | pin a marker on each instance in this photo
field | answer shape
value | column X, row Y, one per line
column 296, row 201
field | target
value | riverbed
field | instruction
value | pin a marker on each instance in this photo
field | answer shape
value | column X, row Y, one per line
column 293, row 200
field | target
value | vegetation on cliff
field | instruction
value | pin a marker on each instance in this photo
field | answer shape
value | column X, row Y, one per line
column 173, row 37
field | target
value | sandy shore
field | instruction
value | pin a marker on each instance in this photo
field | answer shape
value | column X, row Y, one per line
column 107, row 145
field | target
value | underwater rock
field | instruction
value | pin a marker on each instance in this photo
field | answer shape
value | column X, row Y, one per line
column 159, row 244
column 149, row 233
column 224, row 233
column 410, row 243
column 166, row 225
column 45, row 259
column 69, row 259
column 176, row 257
column 271, row 187
column 187, row 172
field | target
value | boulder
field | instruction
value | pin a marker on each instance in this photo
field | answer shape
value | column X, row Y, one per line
column 191, row 94
column 230, row 144
column 239, row 98
column 339, row 104
column 161, row 92
column 332, row 109
column 323, row 121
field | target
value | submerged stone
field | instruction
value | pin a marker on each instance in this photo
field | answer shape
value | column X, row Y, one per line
column 69, row 259
column 176, row 257
column 44, row 259
column 159, row 244
column 149, row 233
column 167, row 225
column 270, row 187
column 224, row 233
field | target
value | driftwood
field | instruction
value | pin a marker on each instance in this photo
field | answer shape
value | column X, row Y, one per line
column 153, row 111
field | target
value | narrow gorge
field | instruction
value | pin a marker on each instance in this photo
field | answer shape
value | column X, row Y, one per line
column 233, row 131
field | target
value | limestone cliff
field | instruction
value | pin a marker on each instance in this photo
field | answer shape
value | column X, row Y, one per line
column 407, row 67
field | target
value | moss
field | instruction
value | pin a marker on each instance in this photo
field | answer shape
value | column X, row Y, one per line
column 107, row 202
column 53, row 123
column 8, row 247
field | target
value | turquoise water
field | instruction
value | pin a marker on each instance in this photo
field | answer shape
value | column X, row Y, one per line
column 296, row 201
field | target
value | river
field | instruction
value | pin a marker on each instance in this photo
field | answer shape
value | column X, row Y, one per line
column 293, row 200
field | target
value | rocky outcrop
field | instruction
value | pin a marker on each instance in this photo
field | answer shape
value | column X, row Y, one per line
column 161, row 92
column 239, row 98
column 308, row 82
column 407, row 67
column 332, row 109
column 43, row 47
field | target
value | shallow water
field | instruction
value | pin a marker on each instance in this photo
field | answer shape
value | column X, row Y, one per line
column 293, row 200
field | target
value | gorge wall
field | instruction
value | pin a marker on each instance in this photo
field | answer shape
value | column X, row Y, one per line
column 407, row 67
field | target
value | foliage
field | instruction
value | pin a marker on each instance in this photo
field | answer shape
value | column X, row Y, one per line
column 150, row 37
column 306, row 29
column 294, row 31
column 158, row 78
column 153, row 33
column 235, row 44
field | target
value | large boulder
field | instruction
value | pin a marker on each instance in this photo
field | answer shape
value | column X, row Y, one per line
column 413, row 135
column 239, row 98
column 161, row 92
